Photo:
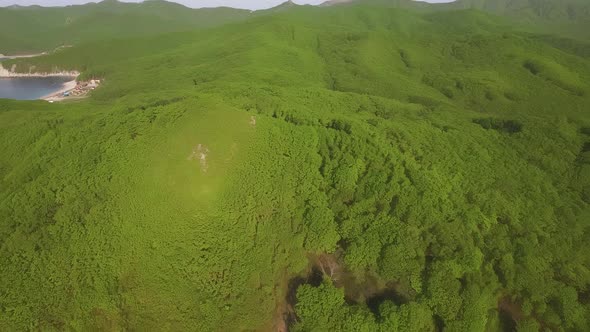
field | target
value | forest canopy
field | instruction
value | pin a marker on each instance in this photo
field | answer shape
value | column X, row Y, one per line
column 363, row 167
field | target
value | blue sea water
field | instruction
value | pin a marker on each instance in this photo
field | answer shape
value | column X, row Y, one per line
column 30, row 88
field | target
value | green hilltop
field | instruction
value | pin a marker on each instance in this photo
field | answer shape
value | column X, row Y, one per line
column 359, row 167
column 569, row 18
column 549, row 9
column 35, row 29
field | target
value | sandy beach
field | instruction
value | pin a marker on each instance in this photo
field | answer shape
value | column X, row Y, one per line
column 58, row 95
column 54, row 96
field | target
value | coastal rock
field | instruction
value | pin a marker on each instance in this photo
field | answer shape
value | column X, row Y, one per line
column 9, row 73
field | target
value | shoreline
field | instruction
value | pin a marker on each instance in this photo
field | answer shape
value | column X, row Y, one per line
column 58, row 95
column 72, row 88
column 5, row 73
column 8, row 57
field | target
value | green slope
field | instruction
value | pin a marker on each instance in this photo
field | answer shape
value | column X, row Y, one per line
column 366, row 168
column 34, row 29
column 552, row 10
column 568, row 18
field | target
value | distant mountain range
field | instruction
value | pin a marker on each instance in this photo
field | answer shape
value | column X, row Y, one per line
column 35, row 28
column 547, row 9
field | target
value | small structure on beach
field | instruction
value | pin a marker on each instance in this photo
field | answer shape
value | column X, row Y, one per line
column 79, row 90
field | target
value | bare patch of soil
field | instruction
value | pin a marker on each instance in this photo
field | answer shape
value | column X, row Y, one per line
column 200, row 153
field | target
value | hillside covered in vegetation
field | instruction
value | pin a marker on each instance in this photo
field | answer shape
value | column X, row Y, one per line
column 355, row 167
column 35, row 29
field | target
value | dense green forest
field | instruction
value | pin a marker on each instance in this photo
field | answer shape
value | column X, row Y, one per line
column 35, row 29
column 373, row 166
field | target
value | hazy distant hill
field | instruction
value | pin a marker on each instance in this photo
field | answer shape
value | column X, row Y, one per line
column 567, row 17
column 547, row 9
column 34, row 28
column 550, row 9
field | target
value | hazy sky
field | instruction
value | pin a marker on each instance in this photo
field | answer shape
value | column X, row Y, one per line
column 248, row 4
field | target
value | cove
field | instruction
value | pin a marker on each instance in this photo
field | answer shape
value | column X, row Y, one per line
column 31, row 88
